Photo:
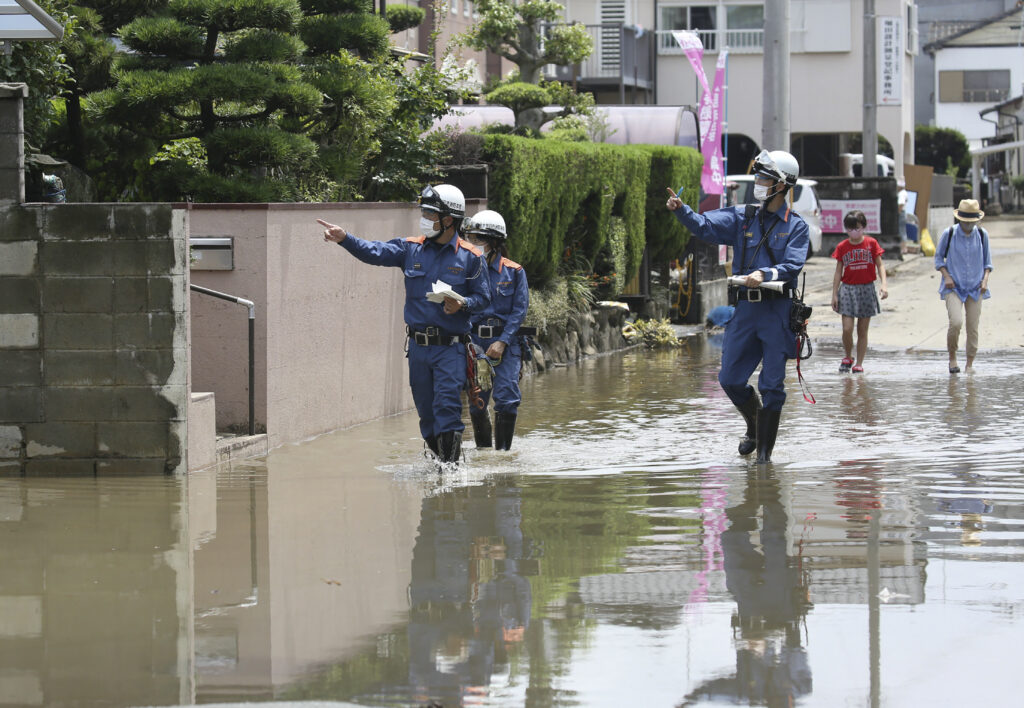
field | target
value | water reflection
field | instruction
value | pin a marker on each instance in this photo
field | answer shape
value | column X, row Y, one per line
column 771, row 592
column 621, row 554
column 470, row 599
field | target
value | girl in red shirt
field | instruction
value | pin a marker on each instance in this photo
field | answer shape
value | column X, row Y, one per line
column 858, row 258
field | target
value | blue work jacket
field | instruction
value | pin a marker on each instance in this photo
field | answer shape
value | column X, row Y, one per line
column 510, row 297
column 458, row 263
column 782, row 257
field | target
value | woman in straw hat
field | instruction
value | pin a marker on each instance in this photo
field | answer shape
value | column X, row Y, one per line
column 964, row 259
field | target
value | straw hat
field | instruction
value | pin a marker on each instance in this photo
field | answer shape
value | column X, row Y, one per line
column 969, row 211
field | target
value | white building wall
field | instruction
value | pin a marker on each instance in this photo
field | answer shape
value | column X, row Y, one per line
column 826, row 66
column 965, row 116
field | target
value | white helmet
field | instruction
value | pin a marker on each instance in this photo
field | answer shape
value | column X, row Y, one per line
column 778, row 165
column 445, row 199
column 486, row 223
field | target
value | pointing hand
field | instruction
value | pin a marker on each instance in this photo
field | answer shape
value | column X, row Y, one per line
column 674, row 202
column 332, row 232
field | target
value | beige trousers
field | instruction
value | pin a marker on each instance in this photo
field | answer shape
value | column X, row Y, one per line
column 956, row 309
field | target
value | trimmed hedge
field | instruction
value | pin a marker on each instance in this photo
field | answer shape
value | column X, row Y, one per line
column 557, row 198
column 678, row 168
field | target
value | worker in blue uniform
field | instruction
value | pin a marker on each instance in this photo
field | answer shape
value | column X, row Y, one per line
column 496, row 330
column 437, row 332
column 769, row 244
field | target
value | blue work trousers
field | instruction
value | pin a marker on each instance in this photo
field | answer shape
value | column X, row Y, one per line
column 437, row 375
column 758, row 333
column 505, row 386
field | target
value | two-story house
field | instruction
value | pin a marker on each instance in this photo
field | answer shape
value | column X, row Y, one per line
column 975, row 68
column 826, row 62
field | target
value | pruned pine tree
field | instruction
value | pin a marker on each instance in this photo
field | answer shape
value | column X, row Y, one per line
column 530, row 34
column 347, row 59
column 89, row 55
column 218, row 82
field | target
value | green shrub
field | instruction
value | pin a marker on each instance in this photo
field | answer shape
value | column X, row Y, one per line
column 403, row 17
column 519, row 96
column 551, row 305
column 609, row 274
column 557, row 199
column 678, row 168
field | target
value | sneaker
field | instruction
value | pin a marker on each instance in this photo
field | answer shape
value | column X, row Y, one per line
column 845, row 364
column 858, row 369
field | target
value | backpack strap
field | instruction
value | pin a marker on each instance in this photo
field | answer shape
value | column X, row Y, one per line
column 951, row 230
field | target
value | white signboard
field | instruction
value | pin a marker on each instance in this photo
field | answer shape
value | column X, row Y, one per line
column 889, row 35
column 833, row 211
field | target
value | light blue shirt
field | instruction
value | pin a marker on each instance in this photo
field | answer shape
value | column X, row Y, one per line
column 968, row 259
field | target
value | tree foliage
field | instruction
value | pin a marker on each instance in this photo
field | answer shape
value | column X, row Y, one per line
column 44, row 68
column 945, row 149
column 525, row 33
column 225, row 72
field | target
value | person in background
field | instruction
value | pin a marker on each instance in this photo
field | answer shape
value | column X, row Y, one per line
column 963, row 258
column 858, row 262
column 495, row 330
column 437, row 332
column 901, row 207
column 770, row 243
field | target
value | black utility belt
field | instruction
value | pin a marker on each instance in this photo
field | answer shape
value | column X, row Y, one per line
column 493, row 331
column 756, row 295
column 432, row 336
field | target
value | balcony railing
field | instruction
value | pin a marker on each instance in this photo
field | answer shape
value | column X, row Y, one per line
column 622, row 56
column 985, row 95
column 738, row 41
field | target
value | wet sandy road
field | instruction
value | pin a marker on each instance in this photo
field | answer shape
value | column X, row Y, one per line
column 622, row 554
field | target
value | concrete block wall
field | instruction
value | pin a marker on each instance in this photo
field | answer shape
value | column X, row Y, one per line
column 93, row 348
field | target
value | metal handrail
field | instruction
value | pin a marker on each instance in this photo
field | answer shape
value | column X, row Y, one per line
column 252, row 345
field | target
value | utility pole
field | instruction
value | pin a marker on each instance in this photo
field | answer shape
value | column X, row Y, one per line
column 869, row 142
column 775, row 110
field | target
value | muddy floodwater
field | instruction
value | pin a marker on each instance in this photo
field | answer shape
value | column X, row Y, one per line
column 620, row 555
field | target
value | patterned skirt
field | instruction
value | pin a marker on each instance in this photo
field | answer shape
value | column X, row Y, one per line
column 858, row 300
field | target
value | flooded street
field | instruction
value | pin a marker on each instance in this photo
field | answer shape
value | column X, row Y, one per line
column 621, row 554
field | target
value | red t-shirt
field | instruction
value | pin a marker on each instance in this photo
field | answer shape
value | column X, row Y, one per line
column 858, row 261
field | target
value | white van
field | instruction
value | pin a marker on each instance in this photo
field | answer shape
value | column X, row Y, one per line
column 851, row 164
column 803, row 197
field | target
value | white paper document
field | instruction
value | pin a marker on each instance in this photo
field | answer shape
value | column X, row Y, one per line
column 441, row 290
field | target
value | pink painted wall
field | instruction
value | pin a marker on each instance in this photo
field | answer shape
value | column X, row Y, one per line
column 330, row 336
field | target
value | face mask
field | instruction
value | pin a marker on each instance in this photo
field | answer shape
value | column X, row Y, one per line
column 760, row 192
column 967, row 226
column 427, row 228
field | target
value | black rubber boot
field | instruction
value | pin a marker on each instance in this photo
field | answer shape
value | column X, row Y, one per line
column 450, row 445
column 481, row 427
column 767, row 430
column 749, row 410
column 504, row 430
column 431, row 444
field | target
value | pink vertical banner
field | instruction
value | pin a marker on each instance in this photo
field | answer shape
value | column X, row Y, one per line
column 710, row 114
column 691, row 45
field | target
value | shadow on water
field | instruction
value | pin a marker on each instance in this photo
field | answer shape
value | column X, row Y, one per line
column 621, row 553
